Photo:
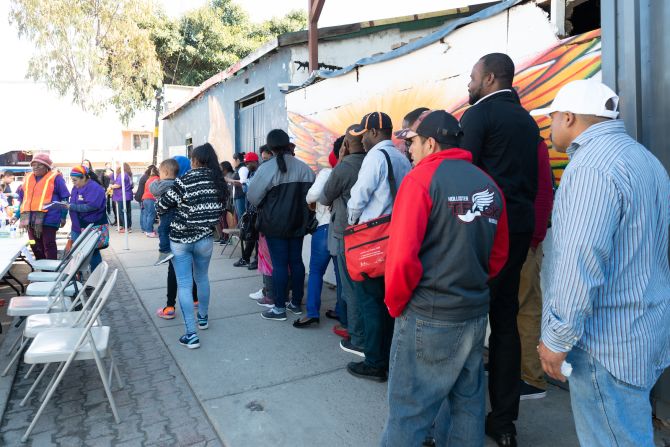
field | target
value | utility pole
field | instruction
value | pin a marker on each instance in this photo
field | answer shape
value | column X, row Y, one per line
column 159, row 98
column 314, row 8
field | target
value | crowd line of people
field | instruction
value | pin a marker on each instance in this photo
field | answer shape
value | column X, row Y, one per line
column 469, row 205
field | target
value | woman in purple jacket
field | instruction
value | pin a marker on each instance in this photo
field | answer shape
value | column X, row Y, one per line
column 87, row 206
column 119, row 181
column 39, row 216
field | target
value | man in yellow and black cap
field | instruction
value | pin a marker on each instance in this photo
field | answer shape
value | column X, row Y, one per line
column 372, row 197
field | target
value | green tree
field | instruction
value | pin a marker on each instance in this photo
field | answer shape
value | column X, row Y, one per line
column 93, row 50
column 295, row 20
column 210, row 39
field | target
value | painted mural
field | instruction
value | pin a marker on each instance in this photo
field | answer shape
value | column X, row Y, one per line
column 537, row 81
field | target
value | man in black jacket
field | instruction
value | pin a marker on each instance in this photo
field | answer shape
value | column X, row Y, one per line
column 503, row 138
column 336, row 193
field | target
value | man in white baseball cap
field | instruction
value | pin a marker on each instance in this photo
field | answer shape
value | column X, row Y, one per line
column 609, row 280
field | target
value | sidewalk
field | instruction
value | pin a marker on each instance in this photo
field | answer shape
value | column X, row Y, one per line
column 266, row 383
column 157, row 406
column 252, row 383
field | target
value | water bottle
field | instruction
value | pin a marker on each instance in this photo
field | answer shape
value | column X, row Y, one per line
column 12, row 232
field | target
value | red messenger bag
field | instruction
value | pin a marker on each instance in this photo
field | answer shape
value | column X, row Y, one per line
column 365, row 244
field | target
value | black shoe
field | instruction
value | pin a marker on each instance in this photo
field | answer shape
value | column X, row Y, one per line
column 253, row 265
column 364, row 371
column 502, row 439
column 241, row 263
column 307, row 322
column 531, row 392
column 330, row 313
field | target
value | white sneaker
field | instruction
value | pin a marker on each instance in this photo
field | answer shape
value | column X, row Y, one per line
column 256, row 295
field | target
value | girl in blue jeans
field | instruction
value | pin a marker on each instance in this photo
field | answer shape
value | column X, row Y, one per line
column 320, row 256
column 197, row 197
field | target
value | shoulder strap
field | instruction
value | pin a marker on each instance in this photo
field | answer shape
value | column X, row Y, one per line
column 391, row 176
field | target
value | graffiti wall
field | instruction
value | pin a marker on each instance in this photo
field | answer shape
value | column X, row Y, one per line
column 436, row 77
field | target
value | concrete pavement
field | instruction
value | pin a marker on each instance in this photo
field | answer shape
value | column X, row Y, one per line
column 266, row 383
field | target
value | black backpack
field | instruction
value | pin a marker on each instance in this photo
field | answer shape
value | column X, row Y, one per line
column 248, row 230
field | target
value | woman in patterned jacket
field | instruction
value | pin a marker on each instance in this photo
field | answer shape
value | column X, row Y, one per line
column 198, row 197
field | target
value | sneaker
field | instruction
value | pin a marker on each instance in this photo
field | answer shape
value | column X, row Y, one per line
column 341, row 331
column 253, row 265
column 272, row 315
column 266, row 302
column 163, row 257
column 122, row 230
column 241, row 263
column 296, row 310
column 364, row 371
column 257, row 295
column 202, row 321
column 153, row 234
column 529, row 392
column 166, row 313
column 348, row 347
column 191, row 341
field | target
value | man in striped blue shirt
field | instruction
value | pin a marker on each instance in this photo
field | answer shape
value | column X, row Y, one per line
column 607, row 307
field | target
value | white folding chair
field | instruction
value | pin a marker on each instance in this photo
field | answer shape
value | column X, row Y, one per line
column 56, row 265
column 65, row 345
column 40, row 322
column 75, row 265
column 56, row 299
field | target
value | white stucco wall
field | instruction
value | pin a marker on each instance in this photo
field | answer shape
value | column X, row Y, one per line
column 443, row 67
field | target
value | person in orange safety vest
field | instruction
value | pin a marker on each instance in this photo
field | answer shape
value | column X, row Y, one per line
column 40, row 211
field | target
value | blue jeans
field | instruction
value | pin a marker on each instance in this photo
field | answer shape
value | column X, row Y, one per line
column 436, row 377
column 607, row 411
column 318, row 263
column 377, row 322
column 148, row 215
column 191, row 262
column 285, row 254
column 164, row 232
column 350, row 308
column 96, row 257
column 240, row 206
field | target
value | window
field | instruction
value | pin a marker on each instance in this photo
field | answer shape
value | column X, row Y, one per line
column 141, row 142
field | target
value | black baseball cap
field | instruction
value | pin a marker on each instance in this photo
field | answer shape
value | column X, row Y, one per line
column 438, row 124
column 374, row 120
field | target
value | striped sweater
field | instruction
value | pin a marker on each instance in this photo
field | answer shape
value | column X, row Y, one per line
column 197, row 204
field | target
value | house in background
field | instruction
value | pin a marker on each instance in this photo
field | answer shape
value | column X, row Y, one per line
column 236, row 108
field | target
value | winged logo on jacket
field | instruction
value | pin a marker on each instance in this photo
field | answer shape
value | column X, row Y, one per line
column 481, row 201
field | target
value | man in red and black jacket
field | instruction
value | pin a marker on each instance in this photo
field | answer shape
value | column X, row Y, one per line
column 448, row 237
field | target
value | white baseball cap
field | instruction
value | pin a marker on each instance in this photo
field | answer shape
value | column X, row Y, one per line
column 584, row 97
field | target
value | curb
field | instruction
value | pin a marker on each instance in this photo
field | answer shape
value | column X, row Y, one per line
column 7, row 382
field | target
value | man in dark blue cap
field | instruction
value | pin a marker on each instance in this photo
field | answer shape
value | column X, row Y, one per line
column 371, row 198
